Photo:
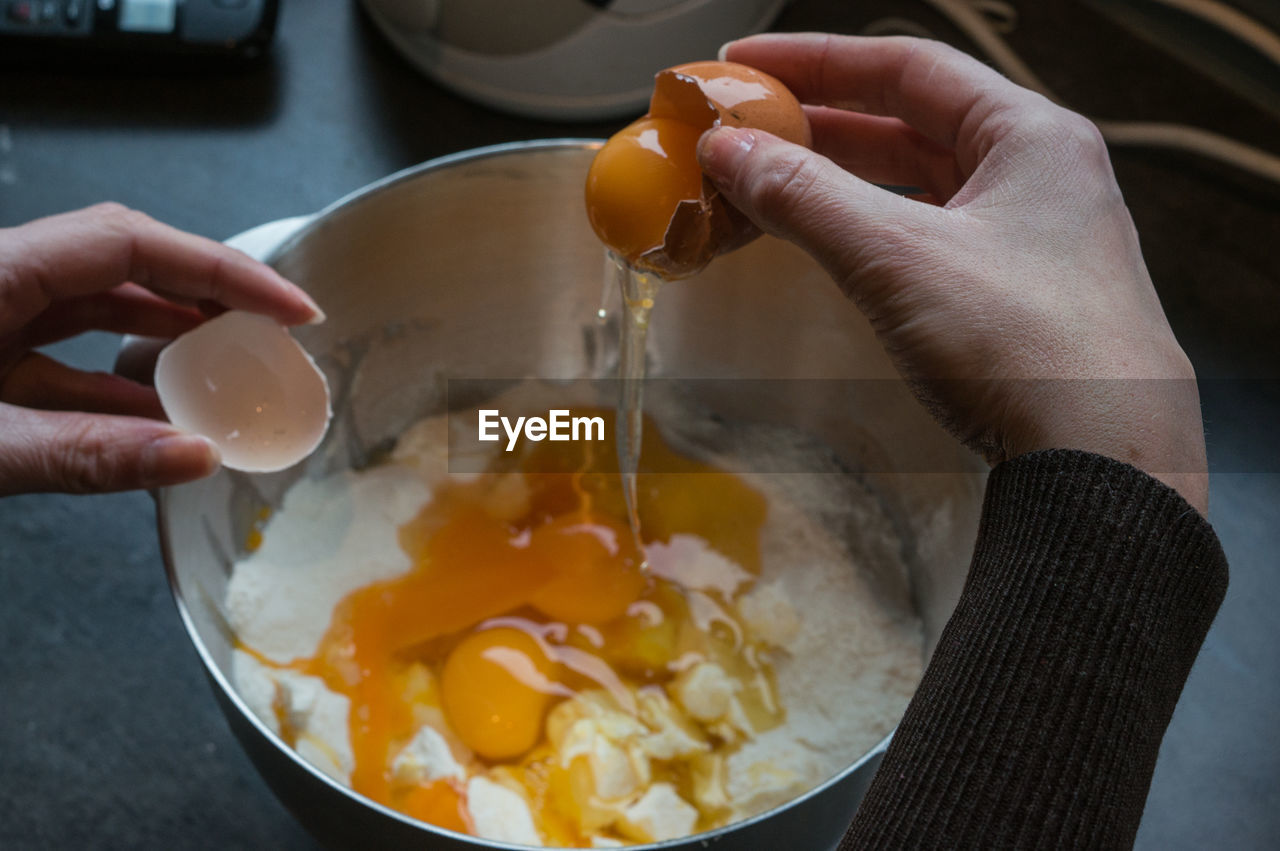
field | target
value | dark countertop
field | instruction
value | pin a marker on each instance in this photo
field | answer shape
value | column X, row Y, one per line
column 109, row 735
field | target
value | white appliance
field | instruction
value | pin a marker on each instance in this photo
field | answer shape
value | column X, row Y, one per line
column 562, row 59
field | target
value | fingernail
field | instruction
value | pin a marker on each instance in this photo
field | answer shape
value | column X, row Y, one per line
column 299, row 294
column 723, row 51
column 317, row 314
column 722, row 150
column 179, row 457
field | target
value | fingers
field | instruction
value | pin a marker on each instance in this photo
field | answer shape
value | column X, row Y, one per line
column 97, row 249
column 795, row 194
column 944, row 94
column 884, row 150
column 88, row 453
column 38, row 381
column 137, row 358
column 127, row 309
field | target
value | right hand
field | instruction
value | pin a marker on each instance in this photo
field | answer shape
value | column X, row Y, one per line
column 1024, row 272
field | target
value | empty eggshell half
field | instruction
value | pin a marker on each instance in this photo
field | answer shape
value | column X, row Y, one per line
column 242, row 381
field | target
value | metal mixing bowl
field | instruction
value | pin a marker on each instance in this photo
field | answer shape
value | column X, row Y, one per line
column 482, row 265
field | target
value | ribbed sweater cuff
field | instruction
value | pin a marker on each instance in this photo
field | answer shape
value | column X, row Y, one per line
column 1040, row 715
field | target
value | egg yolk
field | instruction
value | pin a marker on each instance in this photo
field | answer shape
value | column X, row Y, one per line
column 496, row 686
column 437, row 803
column 637, row 180
column 594, row 565
column 525, row 588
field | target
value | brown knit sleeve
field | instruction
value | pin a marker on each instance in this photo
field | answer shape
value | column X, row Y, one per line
column 1041, row 712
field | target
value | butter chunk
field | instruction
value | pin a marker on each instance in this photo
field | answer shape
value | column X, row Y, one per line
column 257, row 688
column 660, row 814
column 319, row 719
column 300, row 709
column 672, row 735
column 705, row 691
column 500, row 814
column 612, row 771
column 734, row 724
column 427, row 758
column 324, row 758
column 689, row 561
column 597, row 706
column 299, row 697
column 707, row 772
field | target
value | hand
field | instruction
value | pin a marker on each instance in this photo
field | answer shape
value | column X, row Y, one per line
column 1015, row 299
column 109, row 268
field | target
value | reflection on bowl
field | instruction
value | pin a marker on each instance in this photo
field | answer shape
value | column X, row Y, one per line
column 482, row 266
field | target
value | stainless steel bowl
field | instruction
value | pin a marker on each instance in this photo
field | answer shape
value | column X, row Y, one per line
column 481, row 265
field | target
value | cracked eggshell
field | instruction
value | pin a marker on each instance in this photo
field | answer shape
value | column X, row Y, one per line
column 734, row 95
column 708, row 94
column 646, row 197
column 242, row 381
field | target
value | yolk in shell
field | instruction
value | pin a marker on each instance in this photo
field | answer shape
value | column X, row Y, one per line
column 638, row 179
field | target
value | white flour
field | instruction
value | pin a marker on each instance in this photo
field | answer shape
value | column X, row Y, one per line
column 854, row 658
column 332, row 536
column 832, row 596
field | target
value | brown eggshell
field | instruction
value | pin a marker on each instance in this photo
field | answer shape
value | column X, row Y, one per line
column 707, row 94
column 739, row 95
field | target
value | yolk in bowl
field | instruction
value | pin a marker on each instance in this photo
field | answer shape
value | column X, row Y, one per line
column 496, row 687
column 506, row 613
column 594, row 565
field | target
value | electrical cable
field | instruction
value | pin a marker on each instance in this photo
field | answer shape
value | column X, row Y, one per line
column 971, row 18
column 1231, row 21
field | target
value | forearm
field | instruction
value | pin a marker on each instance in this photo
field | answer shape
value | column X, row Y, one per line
column 1040, row 716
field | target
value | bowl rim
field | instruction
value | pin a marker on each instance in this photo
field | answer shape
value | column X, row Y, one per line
column 214, row 672
column 470, row 155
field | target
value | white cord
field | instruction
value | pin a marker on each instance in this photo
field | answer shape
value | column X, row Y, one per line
column 1181, row 137
column 897, row 26
column 1001, row 15
column 971, row 22
column 966, row 16
column 1232, row 21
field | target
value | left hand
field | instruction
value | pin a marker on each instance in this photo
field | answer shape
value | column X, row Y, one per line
column 109, row 268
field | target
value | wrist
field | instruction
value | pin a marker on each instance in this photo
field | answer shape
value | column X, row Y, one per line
column 1151, row 424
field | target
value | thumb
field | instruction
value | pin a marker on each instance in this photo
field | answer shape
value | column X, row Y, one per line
column 801, row 196
column 90, row 453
